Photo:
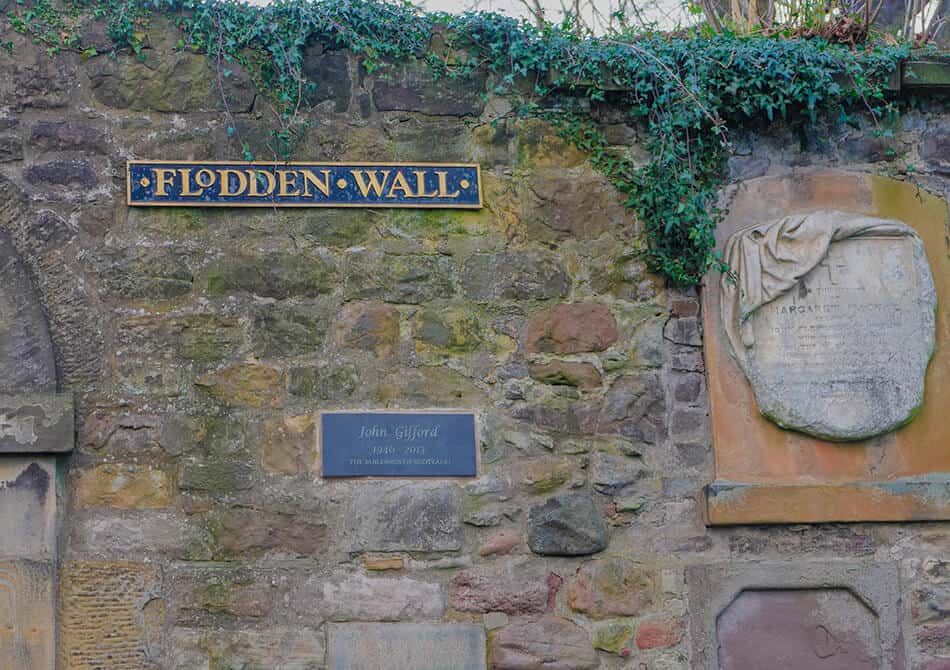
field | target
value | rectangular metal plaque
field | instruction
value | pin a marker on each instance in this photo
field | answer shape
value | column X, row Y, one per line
column 398, row 444
column 268, row 184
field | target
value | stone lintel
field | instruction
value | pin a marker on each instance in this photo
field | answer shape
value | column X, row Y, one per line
column 713, row 588
column 36, row 423
column 921, row 498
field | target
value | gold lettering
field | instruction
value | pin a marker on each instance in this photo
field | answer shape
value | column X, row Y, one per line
column 310, row 178
column 287, row 180
column 253, row 183
column 399, row 182
column 224, row 176
column 374, row 183
column 186, row 183
column 421, row 185
column 164, row 177
column 443, row 185
column 204, row 178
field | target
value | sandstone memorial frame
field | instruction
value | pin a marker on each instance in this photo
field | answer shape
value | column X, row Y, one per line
column 828, row 352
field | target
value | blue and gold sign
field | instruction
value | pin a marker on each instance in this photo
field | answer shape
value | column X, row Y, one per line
column 263, row 184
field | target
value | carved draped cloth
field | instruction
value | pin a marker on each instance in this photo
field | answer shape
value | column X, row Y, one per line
column 768, row 260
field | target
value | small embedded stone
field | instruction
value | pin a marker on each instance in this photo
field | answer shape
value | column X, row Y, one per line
column 567, row 525
column 246, row 532
column 548, row 643
column 613, row 637
column 72, row 172
column 124, row 487
column 249, row 384
column 499, row 544
column 11, row 148
column 288, row 445
column 657, row 634
column 472, row 592
column 580, row 374
column 369, row 327
column 684, row 330
column 378, row 563
column 612, row 587
column 453, row 329
column 67, row 136
column 571, row 329
column 514, row 275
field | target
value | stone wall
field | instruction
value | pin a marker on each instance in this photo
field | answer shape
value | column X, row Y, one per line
column 196, row 531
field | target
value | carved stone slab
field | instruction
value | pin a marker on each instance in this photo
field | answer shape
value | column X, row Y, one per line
column 835, row 615
column 832, row 320
column 401, row 646
column 27, row 507
column 36, row 423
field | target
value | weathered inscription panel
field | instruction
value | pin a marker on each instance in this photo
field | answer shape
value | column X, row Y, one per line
column 407, row 646
column 398, row 444
column 843, row 353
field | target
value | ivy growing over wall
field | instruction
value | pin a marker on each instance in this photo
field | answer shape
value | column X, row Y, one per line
column 686, row 89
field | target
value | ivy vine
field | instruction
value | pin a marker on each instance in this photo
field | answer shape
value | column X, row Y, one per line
column 687, row 89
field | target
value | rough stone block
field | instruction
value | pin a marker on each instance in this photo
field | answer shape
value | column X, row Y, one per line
column 68, row 136
column 571, row 329
column 272, row 647
column 124, row 486
column 612, row 587
column 11, row 148
column 473, row 592
column 394, row 516
column 369, row 327
column 63, row 172
column 410, row 279
column 514, row 275
column 121, row 631
column 413, row 88
column 36, row 423
column 551, row 643
column 358, row 597
column 367, row 646
column 567, row 525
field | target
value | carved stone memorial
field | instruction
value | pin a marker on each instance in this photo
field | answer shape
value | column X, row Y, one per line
column 826, row 348
column 831, row 317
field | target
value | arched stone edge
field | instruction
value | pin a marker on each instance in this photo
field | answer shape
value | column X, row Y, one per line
column 712, row 588
column 41, row 240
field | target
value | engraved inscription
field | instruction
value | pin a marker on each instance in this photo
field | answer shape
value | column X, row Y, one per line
column 423, row 444
column 844, row 339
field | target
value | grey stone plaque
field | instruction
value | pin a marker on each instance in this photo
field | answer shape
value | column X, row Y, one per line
column 404, row 646
column 36, row 423
column 831, row 316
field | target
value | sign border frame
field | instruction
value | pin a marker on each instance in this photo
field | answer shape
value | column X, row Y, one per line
column 130, row 162
column 476, row 416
